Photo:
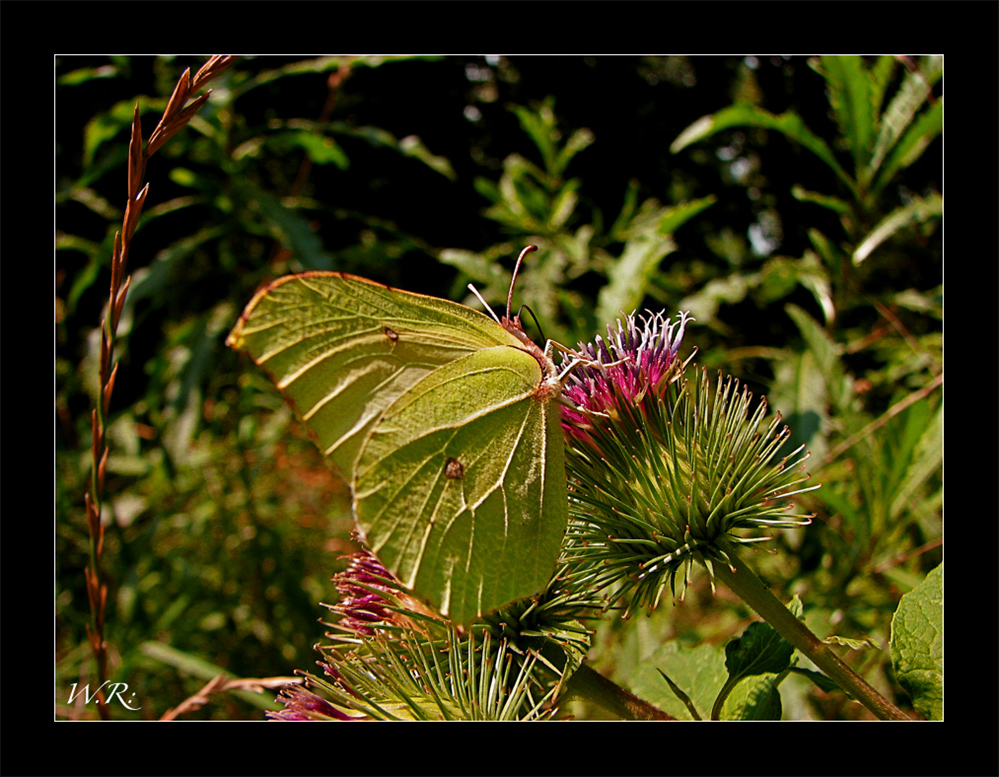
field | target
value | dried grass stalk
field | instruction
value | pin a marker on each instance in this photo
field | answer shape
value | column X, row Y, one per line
column 177, row 114
column 221, row 684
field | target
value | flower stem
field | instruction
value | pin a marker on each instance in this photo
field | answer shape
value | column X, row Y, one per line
column 753, row 592
column 594, row 687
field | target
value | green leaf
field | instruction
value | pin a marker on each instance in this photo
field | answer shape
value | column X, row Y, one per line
column 916, row 88
column 488, row 275
column 815, row 276
column 197, row 667
column 563, row 205
column 323, row 65
column 827, row 356
column 444, row 422
column 808, row 383
column 880, row 73
column 818, row 679
column 704, row 303
column 919, row 210
column 849, row 89
column 681, row 695
column 542, row 127
column 835, row 204
column 832, row 256
column 912, row 145
column 699, row 672
column 850, row 642
column 291, row 228
column 86, row 74
column 321, row 149
column 413, row 147
column 788, row 123
column 926, row 461
column 629, row 276
column 676, row 216
column 799, row 394
column 754, row 698
column 578, row 141
column 620, row 228
column 760, row 650
column 917, row 644
column 103, row 127
column 757, row 662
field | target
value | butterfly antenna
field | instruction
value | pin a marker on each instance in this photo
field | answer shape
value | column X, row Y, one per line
column 509, row 297
column 536, row 322
column 485, row 304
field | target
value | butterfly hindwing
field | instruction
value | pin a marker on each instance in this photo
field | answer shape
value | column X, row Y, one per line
column 460, row 489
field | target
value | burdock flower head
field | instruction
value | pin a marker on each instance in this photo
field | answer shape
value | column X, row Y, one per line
column 646, row 363
column 393, row 659
column 663, row 473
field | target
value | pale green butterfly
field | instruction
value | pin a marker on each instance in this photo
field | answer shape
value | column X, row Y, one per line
column 446, row 423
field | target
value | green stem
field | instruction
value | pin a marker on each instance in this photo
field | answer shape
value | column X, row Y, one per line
column 753, row 592
column 592, row 686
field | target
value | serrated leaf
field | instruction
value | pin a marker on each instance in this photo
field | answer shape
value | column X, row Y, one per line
column 917, row 644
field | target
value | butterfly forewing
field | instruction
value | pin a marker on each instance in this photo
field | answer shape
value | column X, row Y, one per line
column 342, row 349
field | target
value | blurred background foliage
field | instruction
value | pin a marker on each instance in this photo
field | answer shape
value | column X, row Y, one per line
column 792, row 204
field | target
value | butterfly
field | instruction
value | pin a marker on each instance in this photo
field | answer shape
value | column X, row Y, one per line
column 445, row 421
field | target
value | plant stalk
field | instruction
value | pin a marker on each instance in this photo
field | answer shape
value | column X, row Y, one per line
column 592, row 686
column 744, row 582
